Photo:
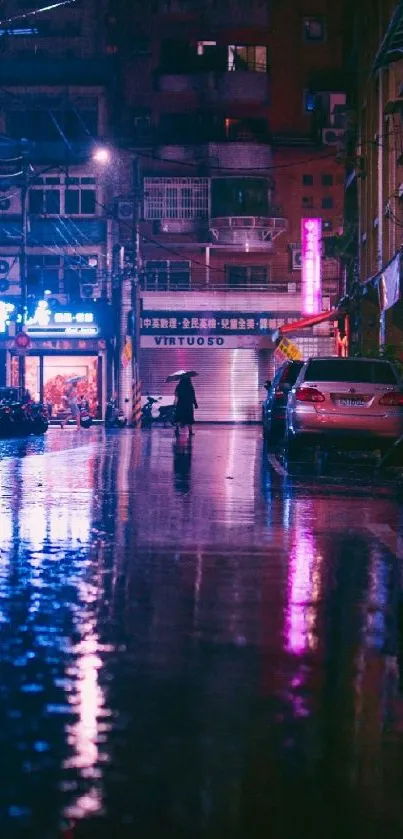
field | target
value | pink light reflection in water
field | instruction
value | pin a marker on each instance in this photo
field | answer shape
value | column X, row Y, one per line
column 304, row 585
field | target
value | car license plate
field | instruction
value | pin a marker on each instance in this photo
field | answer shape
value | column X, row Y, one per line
column 352, row 403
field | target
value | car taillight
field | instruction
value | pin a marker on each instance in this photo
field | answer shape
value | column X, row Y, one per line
column 278, row 393
column 393, row 398
column 309, row 394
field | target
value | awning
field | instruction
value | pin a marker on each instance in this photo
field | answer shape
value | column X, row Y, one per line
column 391, row 48
column 304, row 323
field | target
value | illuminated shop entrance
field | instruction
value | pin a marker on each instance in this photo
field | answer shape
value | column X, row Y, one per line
column 60, row 380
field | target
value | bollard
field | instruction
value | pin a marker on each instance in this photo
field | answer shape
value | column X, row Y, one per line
column 136, row 415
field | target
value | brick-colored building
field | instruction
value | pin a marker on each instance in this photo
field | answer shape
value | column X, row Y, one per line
column 236, row 114
column 375, row 175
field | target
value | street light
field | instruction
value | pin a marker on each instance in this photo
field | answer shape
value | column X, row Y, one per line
column 101, row 155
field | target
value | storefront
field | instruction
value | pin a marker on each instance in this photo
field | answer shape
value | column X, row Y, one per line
column 232, row 353
column 67, row 359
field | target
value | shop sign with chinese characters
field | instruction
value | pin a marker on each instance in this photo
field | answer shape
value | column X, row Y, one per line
column 287, row 350
column 206, row 324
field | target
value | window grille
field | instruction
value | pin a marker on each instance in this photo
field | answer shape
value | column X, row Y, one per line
column 175, row 198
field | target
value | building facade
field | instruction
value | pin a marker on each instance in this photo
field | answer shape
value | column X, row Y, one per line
column 235, row 114
column 225, row 126
column 55, row 230
column 375, row 180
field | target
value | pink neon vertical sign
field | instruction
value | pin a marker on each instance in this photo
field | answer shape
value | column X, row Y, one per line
column 311, row 239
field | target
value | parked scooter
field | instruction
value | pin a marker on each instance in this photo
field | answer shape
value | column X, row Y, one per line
column 39, row 418
column 165, row 413
column 114, row 416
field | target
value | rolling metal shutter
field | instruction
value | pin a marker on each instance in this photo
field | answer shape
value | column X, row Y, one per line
column 229, row 387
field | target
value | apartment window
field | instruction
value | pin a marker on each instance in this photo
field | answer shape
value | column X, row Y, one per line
column 60, row 273
column 247, row 58
column 247, row 130
column 314, row 29
column 204, row 47
column 307, row 180
column 246, row 276
column 240, row 197
column 175, row 198
column 327, row 202
column 80, row 197
column 307, row 202
column 45, row 201
column 45, row 119
column 327, row 180
column 44, row 273
column 63, row 196
column 79, row 270
column 166, row 274
column 176, row 55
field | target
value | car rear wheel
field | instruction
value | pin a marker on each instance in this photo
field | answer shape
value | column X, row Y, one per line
column 297, row 449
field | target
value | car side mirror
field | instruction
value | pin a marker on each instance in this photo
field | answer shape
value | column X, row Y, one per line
column 267, row 385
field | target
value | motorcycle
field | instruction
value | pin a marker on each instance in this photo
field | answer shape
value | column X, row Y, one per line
column 114, row 416
column 85, row 419
column 22, row 419
column 39, row 417
column 165, row 413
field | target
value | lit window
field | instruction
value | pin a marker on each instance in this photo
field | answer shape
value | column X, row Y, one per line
column 314, row 29
column 309, row 101
column 204, row 46
column 247, row 58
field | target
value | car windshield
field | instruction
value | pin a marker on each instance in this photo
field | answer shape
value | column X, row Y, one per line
column 350, row 370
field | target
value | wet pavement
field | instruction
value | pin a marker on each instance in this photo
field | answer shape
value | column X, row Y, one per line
column 195, row 644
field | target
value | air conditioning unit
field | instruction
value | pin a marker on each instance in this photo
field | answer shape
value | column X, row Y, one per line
column 10, row 202
column 125, row 210
column 9, row 275
column 296, row 259
column 90, row 291
column 332, row 136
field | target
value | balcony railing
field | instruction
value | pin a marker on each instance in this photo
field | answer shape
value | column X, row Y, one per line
column 241, row 230
column 330, row 288
column 231, row 86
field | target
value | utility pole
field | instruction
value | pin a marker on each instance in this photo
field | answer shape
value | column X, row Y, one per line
column 136, row 385
column 23, row 263
column 129, row 381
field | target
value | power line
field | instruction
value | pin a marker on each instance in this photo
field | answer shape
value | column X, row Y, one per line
column 34, row 12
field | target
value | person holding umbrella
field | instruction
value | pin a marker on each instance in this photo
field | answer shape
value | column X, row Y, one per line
column 185, row 400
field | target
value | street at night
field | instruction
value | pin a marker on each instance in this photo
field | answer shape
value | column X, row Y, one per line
column 195, row 643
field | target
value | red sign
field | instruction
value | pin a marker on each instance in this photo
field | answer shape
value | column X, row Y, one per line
column 22, row 341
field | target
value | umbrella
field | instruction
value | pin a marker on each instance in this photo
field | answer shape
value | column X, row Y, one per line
column 174, row 377
column 75, row 379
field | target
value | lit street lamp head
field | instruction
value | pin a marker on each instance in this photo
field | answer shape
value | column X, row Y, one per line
column 101, row 155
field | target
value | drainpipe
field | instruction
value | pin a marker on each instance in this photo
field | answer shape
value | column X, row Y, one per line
column 207, row 266
column 382, row 319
